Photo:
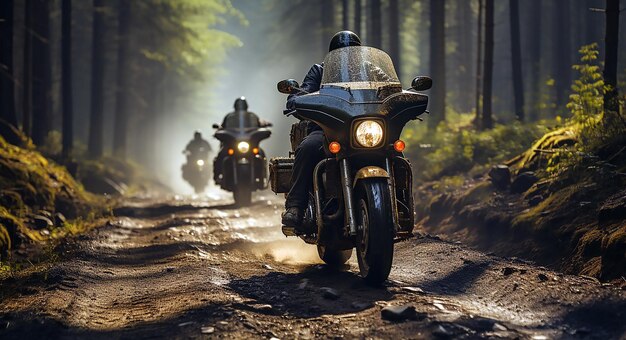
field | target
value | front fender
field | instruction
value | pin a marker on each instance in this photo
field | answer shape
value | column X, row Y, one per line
column 369, row 172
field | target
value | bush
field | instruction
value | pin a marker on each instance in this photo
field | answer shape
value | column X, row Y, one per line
column 459, row 149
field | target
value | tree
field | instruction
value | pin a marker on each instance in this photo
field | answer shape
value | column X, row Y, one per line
column 345, row 14
column 95, row 147
column 437, row 62
column 479, row 49
column 27, row 68
column 374, row 30
column 562, row 51
column 41, row 72
column 66, row 62
column 358, row 12
column 516, row 60
column 464, row 54
column 123, row 73
column 611, row 101
column 7, row 84
column 534, row 36
column 487, row 118
column 327, row 22
column 394, row 35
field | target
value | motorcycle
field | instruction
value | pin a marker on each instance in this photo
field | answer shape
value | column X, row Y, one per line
column 362, row 193
column 243, row 162
column 196, row 171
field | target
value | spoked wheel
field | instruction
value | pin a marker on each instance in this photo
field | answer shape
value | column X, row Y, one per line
column 333, row 257
column 375, row 230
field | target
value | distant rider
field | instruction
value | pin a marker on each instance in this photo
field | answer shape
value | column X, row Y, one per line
column 311, row 149
column 241, row 118
column 197, row 148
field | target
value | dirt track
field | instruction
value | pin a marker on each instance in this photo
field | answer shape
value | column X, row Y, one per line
column 180, row 268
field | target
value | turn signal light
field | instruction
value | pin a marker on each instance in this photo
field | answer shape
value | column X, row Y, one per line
column 334, row 147
column 231, row 152
column 399, row 145
column 255, row 151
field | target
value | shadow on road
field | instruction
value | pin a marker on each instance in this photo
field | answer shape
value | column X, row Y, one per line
column 305, row 294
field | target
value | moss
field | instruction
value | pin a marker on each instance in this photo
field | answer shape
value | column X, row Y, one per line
column 29, row 182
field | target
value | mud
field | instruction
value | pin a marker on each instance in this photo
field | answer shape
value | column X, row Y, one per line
column 198, row 267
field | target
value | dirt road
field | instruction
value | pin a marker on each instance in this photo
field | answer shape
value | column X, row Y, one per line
column 180, row 268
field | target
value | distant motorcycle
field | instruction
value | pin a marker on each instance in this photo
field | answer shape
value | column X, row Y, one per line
column 362, row 193
column 243, row 162
column 196, row 171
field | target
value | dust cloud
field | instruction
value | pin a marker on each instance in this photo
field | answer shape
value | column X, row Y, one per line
column 288, row 251
column 251, row 70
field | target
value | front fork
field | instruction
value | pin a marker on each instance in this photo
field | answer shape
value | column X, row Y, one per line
column 346, row 186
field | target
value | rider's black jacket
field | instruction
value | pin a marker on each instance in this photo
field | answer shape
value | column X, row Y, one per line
column 311, row 83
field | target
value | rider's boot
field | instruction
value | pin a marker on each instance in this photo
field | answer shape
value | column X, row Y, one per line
column 292, row 221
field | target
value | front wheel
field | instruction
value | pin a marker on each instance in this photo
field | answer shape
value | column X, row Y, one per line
column 375, row 230
column 333, row 257
column 242, row 192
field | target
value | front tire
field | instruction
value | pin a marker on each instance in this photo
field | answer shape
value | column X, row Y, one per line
column 242, row 192
column 375, row 230
column 333, row 257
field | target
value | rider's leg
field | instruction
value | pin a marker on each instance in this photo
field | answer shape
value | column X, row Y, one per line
column 307, row 155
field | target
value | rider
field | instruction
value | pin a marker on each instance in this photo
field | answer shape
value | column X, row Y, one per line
column 311, row 149
column 240, row 118
column 198, row 148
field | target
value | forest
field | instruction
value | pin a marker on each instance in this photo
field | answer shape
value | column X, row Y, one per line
column 522, row 152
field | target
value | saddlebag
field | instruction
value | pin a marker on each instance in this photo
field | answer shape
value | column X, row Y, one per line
column 280, row 174
column 298, row 132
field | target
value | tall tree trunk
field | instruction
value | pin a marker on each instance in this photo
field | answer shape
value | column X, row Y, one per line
column 327, row 22
column 394, row 35
column 123, row 72
column 562, row 55
column 7, row 83
column 345, row 14
column 95, row 147
column 611, row 101
column 464, row 54
column 358, row 12
column 66, row 64
column 374, row 31
column 516, row 60
column 437, row 62
column 534, row 36
column 28, row 67
column 479, row 50
column 41, row 72
column 487, row 119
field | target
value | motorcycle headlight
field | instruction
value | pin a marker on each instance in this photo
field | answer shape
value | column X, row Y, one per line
column 200, row 162
column 243, row 147
column 369, row 133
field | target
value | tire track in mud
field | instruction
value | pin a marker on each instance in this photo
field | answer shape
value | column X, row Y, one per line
column 201, row 268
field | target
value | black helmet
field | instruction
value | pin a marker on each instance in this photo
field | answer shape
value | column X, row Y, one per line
column 344, row 39
column 197, row 135
column 241, row 104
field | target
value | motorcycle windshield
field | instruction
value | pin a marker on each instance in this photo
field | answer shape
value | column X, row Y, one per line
column 359, row 67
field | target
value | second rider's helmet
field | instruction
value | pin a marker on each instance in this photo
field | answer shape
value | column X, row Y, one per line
column 344, row 39
column 241, row 104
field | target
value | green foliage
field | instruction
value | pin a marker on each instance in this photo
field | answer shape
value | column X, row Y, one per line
column 459, row 149
column 586, row 101
column 181, row 34
column 586, row 106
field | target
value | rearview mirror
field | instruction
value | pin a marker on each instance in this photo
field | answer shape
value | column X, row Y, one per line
column 421, row 83
column 216, row 126
column 288, row 86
